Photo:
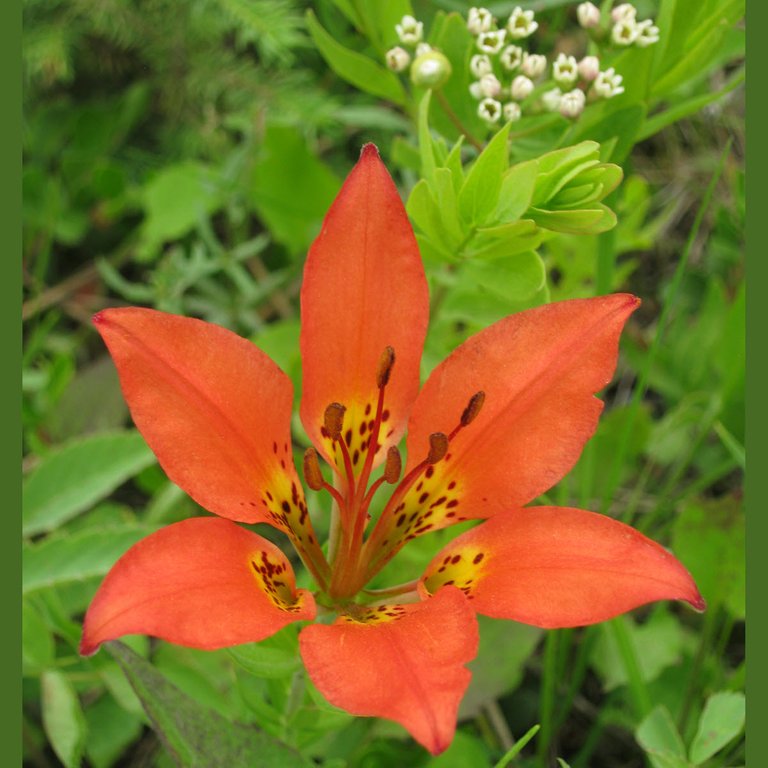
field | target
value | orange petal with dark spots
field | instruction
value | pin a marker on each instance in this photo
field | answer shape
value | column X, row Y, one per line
column 364, row 290
column 559, row 567
column 215, row 410
column 539, row 370
column 204, row 583
column 408, row 667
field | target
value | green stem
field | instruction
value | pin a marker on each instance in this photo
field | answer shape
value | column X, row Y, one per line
column 548, row 683
column 628, row 653
column 606, row 259
column 454, row 118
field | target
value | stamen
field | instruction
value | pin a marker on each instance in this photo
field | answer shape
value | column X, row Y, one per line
column 312, row 473
column 473, row 408
column 393, row 466
column 438, row 447
column 333, row 420
column 385, row 367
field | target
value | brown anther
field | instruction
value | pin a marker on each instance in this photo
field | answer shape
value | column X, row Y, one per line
column 386, row 362
column 438, row 447
column 333, row 420
column 473, row 408
column 393, row 466
column 312, row 473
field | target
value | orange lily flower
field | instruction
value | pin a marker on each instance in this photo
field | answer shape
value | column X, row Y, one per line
column 497, row 423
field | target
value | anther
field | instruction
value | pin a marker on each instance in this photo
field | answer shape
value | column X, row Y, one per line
column 312, row 473
column 473, row 408
column 438, row 447
column 393, row 466
column 333, row 420
column 386, row 362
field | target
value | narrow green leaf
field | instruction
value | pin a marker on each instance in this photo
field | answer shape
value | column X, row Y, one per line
column 277, row 656
column 453, row 164
column 62, row 559
column 426, row 151
column 480, row 194
column 78, row 475
column 518, row 748
column 423, row 210
column 195, row 736
column 721, row 721
column 516, row 191
column 355, row 68
column 590, row 221
column 506, row 240
column 37, row 640
column 63, row 718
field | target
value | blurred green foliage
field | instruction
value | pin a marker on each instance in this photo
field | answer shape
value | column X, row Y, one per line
column 182, row 156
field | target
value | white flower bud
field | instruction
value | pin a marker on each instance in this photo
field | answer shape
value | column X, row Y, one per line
column 490, row 86
column 572, row 103
column 480, row 65
column 430, row 70
column 624, row 32
column 565, row 70
column 511, row 57
column 479, row 20
column 521, row 88
column 409, row 30
column 589, row 67
column 489, row 110
column 476, row 90
column 624, row 11
column 551, row 99
column 491, row 42
column 588, row 15
column 423, row 48
column 398, row 58
column 521, row 24
column 534, row 64
column 512, row 111
column 647, row 34
column 608, row 84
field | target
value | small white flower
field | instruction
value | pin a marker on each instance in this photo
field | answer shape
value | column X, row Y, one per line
column 480, row 65
column 512, row 111
column 490, row 86
column 489, row 110
column 397, row 58
column 608, row 84
column 551, row 99
column 430, row 70
column 565, row 70
column 534, row 64
column 624, row 11
column 589, row 68
column 476, row 90
column 521, row 88
column 521, row 24
column 588, row 15
column 511, row 57
column 647, row 34
column 409, row 30
column 624, row 32
column 479, row 20
column 572, row 103
column 423, row 48
column 491, row 42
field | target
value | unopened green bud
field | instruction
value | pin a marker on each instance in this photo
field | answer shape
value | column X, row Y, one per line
column 430, row 70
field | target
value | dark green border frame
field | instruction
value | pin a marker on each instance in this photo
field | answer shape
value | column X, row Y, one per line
column 10, row 323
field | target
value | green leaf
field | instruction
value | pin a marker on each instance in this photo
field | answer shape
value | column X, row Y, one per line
column 506, row 240
column 78, row 475
column 195, row 736
column 110, row 730
column 516, row 191
column 291, row 188
column 355, row 68
column 518, row 748
column 426, row 152
column 277, row 656
column 479, row 195
column 65, row 558
column 453, row 164
column 63, row 718
column 423, row 210
column 589, row 221
column 37, row 642
column 721, row 721
column 557, row 168
column 659, row 737
column 447, row 204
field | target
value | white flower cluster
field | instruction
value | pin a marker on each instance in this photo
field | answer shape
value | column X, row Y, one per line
column 504, row 71
column 626, row 30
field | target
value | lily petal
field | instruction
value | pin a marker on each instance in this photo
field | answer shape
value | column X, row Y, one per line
column 215, row 410
column 204, row 583
column 364, row 290
column 559, row 567
column 402, row 662
column 539, row 370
